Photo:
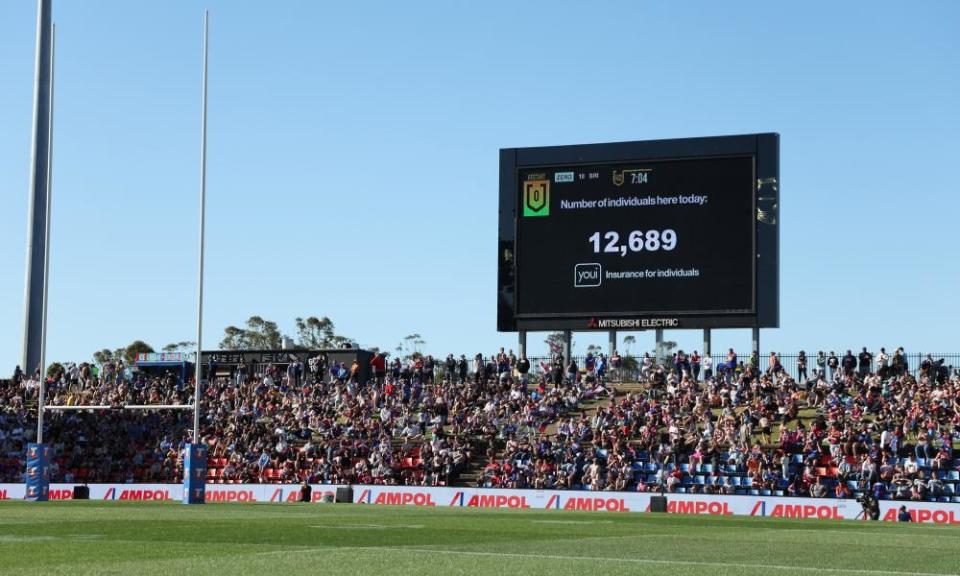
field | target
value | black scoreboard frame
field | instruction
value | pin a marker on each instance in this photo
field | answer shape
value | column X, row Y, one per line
column 765, row 151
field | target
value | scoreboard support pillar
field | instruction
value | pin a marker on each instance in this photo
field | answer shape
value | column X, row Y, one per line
column 567, row 346
column 612, row 343
column 522, row 345
column 756, row 342
column 706, row 341
column 658, row 348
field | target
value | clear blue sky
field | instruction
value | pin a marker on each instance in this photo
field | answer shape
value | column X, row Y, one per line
column 353, row 158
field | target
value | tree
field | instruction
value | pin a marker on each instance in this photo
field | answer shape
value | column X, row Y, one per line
column 263, row 334
column 664, row 352
column 315, row 333
column 259, row 334
column 411, row 345
column 593, row 349
column 134, row 348
column 127, row 354
column 54, row 370
column 629, row 341
column 102, row 357
column 185, row 346
column 233, row 338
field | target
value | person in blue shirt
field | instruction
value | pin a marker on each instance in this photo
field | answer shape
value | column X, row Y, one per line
column 903, row 515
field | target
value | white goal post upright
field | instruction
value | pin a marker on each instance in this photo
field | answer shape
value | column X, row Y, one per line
column 38, row 454
column 195, row 453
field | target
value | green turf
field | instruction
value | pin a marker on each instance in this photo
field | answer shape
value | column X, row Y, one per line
column 142, row 539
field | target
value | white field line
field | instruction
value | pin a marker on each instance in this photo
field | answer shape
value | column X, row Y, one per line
column 571, row 521
column 367, row 526
column 648, row 561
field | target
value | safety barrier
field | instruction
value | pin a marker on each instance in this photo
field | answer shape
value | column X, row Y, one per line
column 276, row 493
column 713, row 505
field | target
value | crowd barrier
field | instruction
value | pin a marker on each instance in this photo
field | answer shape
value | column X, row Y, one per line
column 276, row 493
column 713, row 505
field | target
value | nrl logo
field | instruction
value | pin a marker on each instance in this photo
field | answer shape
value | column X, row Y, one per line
column 536, row 198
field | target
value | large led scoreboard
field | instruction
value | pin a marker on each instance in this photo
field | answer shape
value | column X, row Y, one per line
column 635, row 235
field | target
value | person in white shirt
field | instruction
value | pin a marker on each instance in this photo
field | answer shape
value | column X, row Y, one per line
column 883, row 362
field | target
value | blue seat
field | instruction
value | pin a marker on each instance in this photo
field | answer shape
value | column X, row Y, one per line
column 766, row 492
column 746, row 481
column 708, row 468
column 685, row 467
column 701, row 480
column 953, row 475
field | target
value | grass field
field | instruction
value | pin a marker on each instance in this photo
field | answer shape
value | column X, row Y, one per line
column 143, row 539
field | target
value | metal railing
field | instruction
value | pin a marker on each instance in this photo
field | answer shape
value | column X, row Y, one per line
column 632, row 363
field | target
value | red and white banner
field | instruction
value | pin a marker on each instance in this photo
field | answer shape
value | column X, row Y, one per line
column 768, row 506
column 143, row 492
column 718, row 505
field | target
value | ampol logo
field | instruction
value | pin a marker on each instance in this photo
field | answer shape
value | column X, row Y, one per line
column 497, row 501
column 230, row 496
column 142, row 495
column 596, row 504
column 399, row 498
column 924, row 515
column 806, row 511
column 699, row 507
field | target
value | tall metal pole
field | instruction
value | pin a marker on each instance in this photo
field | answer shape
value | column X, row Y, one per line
column 46, row 244
column 37, row 205
column 198, row 366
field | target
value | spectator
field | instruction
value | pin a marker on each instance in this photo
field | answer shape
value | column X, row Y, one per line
column 865, row 360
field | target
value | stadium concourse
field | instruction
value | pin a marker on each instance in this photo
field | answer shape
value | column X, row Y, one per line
column 690, row 425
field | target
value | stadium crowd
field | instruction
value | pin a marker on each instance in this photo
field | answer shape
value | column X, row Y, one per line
column 314, row 422
column 840, row 427
column 855, row 425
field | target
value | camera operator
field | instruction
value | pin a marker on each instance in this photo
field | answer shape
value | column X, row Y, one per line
column 870, row 505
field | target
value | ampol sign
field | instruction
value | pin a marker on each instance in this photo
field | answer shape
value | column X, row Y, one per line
column 277, row 493
column 774, row 507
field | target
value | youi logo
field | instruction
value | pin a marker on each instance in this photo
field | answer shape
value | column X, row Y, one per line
column 588, row 275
